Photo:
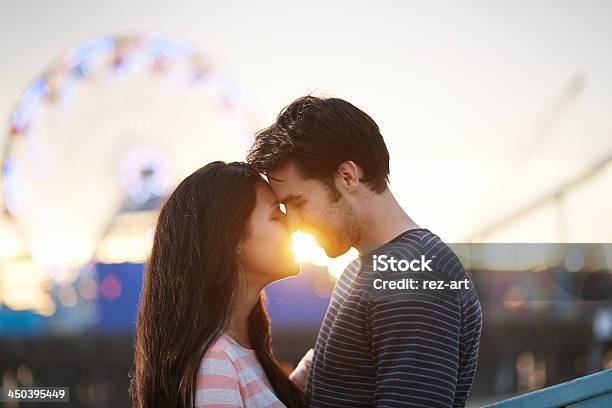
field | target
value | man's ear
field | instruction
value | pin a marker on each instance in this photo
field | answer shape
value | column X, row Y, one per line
column 349, row 174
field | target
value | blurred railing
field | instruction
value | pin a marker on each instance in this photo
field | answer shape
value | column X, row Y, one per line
column 592, row 391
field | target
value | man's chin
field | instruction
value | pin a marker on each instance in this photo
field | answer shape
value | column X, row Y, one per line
column 293, row 269
column 291, row 272
column 334, row 252
column 297, row 270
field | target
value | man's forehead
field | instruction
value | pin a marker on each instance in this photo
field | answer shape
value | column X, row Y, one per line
column 283, row 189
column 285, row 183
column 284, row 173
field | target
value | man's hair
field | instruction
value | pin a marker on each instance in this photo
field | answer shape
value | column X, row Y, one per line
column 318, row 134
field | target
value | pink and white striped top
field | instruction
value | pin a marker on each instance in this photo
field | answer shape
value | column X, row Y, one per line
column 230, row 376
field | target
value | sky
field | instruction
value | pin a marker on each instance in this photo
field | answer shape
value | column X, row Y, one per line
column 484, row 105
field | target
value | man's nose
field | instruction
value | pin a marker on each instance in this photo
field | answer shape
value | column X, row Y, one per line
column 294, row 221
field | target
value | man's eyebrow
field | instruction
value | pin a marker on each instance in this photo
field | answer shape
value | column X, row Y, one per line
column 274, row 178
column 291, row 197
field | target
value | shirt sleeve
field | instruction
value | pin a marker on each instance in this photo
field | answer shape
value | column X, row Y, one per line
column 217, row 384
column 415, row 347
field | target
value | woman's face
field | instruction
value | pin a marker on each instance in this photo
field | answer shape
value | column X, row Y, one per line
column 266, row 254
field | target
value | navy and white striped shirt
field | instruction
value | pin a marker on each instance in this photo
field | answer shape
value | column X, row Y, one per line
column 395, row 347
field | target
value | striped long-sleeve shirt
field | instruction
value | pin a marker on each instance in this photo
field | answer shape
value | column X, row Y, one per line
column 230, row 376
column 398, row 347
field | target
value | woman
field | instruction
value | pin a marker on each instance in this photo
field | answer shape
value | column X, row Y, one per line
column 203, row 334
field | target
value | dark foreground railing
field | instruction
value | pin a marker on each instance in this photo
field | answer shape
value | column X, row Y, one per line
column 591, row 391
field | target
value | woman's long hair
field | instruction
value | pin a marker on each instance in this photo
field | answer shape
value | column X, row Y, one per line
column 190, row 286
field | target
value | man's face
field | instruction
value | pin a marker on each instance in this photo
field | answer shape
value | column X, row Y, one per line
column 314, row 209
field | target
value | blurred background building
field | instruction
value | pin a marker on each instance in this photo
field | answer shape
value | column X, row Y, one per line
column 504, row 106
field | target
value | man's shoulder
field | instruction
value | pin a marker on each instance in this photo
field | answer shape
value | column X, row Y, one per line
column 417, row 250
column 413, row 242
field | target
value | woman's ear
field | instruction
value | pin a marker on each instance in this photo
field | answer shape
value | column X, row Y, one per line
column 239, row 252
column 240, row 257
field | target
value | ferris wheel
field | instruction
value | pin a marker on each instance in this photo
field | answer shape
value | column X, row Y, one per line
column 112, row 126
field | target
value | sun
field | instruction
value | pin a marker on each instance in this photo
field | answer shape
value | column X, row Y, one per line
column 306, row 250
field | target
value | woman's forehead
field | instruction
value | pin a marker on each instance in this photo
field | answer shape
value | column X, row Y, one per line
column 265, row 193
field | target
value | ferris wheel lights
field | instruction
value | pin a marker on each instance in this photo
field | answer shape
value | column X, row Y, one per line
column 24, row 287
column 106, row 132
column 56, row 251
column 12, row 244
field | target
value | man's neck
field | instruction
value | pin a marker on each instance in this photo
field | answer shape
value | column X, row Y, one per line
column 384, row 220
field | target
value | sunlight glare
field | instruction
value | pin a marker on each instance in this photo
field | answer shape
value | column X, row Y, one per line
column 305, row 249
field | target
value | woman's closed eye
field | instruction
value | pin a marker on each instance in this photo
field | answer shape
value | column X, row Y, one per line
column 278, row 215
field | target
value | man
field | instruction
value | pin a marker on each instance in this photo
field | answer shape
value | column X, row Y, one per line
column 378, row 345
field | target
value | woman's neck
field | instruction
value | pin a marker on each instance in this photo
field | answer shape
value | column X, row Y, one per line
column 238, row 328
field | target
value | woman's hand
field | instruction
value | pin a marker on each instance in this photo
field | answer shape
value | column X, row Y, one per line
column 300, row 374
